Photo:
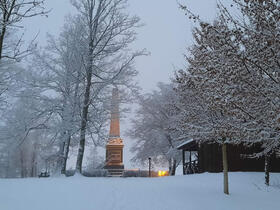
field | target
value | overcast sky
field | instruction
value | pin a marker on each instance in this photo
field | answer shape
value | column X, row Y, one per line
column 166, row 35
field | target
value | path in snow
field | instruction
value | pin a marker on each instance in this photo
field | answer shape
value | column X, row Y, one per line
column 193, row 192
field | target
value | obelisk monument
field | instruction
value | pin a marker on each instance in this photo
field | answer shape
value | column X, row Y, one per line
column 114, row 147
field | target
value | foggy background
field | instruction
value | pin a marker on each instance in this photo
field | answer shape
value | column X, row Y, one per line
column 166, row 34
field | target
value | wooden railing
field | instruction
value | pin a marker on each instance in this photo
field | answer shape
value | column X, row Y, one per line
column 191, row 167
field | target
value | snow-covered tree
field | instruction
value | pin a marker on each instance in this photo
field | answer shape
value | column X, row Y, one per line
column 108, row 60
column 12, row 14
column 22, row 129
column 154, row 129
column 209, row 76
column 233, row 67
column 12, row 49
column 59, row 71
column 259, row 40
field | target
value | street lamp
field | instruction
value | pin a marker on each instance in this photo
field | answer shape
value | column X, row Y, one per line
column 150, row 167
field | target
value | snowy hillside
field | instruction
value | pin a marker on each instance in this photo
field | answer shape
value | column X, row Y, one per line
column 193, row 192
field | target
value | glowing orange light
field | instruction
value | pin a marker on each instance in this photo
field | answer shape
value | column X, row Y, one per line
column 162, row 173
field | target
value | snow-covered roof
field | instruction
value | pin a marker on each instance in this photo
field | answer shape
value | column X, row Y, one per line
column 185, row 143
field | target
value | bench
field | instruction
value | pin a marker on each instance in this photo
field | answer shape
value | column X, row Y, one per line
column 44, row 174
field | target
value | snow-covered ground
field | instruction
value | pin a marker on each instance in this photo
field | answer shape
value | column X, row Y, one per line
column 191, row 192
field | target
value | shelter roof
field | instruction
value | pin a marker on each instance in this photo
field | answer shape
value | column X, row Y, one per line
column 190, row 145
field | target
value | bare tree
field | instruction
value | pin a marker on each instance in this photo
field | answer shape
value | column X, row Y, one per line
column 109, row 31
column 12, row 13
column 154, row 128
column 22, row 130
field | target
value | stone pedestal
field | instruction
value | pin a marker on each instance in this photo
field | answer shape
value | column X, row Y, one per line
column 114, row 154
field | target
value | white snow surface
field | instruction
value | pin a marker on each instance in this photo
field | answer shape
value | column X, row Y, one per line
column 190, row 192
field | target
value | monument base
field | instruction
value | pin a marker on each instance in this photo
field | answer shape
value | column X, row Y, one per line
column 115, row 170
column 114, row 167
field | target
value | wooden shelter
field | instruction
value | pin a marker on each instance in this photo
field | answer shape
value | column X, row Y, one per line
column 206, row 157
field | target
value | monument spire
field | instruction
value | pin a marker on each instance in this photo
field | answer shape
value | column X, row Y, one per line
column 115, row 115
column 114, row 147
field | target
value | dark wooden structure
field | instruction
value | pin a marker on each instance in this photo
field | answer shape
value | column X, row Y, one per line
column 206, row 157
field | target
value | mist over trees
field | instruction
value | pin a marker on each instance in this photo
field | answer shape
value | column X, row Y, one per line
column 55, row 99
column 154, row 129
column 62, row 96
column 12, row 46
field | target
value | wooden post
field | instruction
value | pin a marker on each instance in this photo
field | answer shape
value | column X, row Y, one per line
column 225, row 168
column 183, row 160
column 190, row 163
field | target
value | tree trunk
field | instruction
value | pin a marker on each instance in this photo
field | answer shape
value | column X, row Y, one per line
column 169, row 166
column 183, row 162
column 267, row 168
column 2, row 41
column 225, row 168
column 84, row 123
column 33, row 165
column 22, row 165
column 8, row 166
column 66, row 124
column 93, row 28
column 66, row 153
column 60, row 157
column 173, row 168
column 70, row 131
column 34, row 160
